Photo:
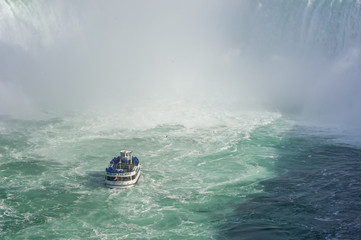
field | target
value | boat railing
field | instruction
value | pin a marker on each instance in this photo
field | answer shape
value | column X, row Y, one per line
column 121, row 174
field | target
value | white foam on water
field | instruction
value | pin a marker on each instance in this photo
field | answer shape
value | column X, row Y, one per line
column 203, row 162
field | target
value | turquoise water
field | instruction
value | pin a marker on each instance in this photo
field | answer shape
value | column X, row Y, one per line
column 248, row 176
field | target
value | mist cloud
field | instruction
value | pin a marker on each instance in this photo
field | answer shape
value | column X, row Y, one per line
column 59, row 55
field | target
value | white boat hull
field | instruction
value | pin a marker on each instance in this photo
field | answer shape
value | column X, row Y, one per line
column 122, row 180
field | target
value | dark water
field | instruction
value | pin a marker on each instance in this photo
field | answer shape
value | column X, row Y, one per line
column 315, row 195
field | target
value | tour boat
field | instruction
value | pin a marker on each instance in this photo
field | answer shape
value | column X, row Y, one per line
column 123, row 171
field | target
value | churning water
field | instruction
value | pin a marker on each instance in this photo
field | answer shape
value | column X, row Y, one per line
column 252, row 175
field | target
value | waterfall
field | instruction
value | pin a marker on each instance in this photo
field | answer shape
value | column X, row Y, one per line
column 300, row 56
column 328, row 26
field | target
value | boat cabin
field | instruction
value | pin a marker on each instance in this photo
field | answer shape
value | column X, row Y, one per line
column 126, row 155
